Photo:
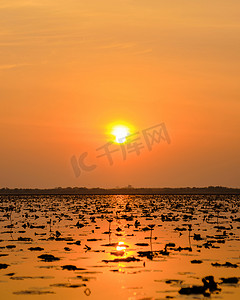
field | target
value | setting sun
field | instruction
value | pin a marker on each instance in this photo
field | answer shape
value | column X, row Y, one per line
column 120, row 132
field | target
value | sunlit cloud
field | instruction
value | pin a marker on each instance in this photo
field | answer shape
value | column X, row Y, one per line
column 17, row 4
column 117, row 46
column 145, row 51
column 12, row 66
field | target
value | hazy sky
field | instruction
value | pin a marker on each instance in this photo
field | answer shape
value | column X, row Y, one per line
column 69, row 68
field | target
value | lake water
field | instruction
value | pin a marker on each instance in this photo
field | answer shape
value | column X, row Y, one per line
column 118, row 247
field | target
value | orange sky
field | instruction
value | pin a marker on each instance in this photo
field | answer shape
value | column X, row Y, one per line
column 69, row 68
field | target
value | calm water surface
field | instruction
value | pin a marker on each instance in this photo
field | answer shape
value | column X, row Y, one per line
column 118, row 247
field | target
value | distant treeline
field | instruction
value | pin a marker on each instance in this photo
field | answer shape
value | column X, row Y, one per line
column 123, row 191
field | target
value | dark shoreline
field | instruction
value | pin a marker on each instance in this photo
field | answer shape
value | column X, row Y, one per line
column 211, row 190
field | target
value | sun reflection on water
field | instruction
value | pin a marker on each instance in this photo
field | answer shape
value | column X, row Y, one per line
column 121, row 246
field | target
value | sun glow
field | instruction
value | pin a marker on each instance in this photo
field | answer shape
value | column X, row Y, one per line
column 119, row 131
